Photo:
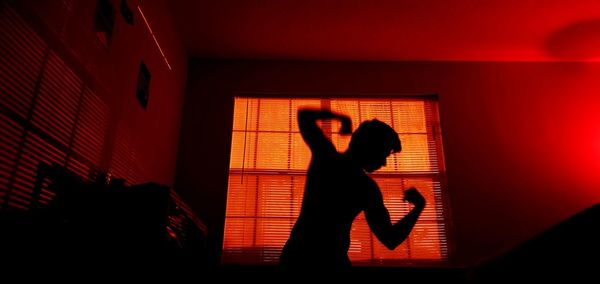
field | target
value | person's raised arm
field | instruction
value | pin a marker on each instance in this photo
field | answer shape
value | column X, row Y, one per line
column 379, row 221
column 312, row 133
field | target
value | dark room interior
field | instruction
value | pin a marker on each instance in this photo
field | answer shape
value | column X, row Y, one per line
column 165, row 133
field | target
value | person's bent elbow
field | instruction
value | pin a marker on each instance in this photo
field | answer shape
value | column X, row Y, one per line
column 391, row 244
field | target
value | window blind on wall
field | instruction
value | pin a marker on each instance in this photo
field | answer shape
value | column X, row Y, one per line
column 268, row 166
column 47, row 114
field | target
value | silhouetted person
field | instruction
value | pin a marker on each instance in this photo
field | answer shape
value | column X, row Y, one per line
column 337, row 189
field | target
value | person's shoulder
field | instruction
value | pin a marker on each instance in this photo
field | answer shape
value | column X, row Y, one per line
column 365, row 180
column 370, row 183
column 371, row 191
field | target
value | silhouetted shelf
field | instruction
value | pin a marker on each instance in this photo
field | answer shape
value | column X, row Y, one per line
column 568, row 251
column 92, row 222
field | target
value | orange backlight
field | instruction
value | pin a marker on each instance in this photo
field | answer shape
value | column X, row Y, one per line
column 269, row 161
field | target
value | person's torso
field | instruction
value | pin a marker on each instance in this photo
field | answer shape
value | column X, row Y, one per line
column 335, row 193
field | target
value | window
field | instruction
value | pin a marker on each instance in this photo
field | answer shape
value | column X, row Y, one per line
column 268, row 166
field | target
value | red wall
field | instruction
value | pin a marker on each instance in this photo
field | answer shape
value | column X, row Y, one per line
column 147, row 139
column 521, row 140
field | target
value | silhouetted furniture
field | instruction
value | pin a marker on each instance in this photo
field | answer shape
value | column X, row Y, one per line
column 569, row 251
column 95, row 223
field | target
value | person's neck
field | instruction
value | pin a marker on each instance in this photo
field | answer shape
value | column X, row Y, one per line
column 353, row 159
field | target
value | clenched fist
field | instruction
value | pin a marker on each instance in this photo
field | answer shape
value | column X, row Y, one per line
column 413, row 196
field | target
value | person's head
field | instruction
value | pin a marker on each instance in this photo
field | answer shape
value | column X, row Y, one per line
column 372, row 142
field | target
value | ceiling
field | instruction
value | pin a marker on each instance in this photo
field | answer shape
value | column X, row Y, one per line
column 391, row 30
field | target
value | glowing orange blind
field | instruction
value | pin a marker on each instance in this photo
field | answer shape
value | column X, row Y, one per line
column 268, row 166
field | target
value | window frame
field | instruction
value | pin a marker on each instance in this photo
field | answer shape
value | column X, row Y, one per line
column 439, row 176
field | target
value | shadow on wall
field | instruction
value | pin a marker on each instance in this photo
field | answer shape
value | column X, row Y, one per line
column 580, row 41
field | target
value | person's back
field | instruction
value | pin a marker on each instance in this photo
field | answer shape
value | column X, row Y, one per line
column 337, row 189
column 333, row 197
